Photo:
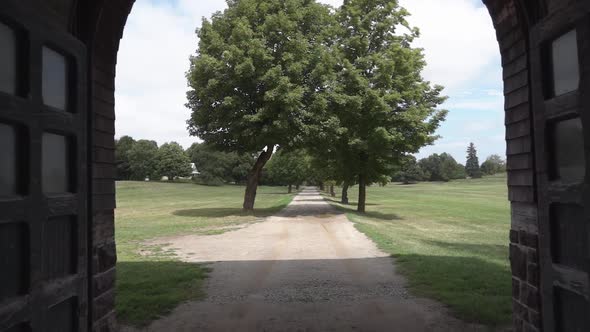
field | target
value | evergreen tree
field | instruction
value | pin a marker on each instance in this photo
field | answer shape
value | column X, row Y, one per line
column 472, row 165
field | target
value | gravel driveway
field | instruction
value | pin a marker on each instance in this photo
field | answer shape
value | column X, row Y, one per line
column 306, row 269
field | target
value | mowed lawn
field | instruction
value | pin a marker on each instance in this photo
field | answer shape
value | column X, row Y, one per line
column 151, row 285
column 449, row 239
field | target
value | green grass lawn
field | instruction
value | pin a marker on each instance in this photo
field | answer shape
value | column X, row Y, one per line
column 151, row 286
column 449, row 239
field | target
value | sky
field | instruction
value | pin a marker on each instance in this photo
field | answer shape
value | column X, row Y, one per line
column 457, row 36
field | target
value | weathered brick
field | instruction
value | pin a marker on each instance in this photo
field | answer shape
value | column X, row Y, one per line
column 515, row 288
column 529, row 296
column 107, row 256
column 104, row 304
column 535, row 318
column 513, row 236
column 533, row 274
column 104, row 282
column 528, row 239
column 518, row 262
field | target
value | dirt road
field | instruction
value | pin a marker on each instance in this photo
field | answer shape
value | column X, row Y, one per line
column 306, row 269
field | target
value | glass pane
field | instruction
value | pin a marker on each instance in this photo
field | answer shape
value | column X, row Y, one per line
column 568, row 148
column 55, row 164
column 569, row 237
column 55, row 86
column 566, row 72
column 14, row 261
column 7, row 60
column 8, row 161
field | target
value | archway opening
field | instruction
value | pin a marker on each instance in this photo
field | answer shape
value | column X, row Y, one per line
column 474, row 82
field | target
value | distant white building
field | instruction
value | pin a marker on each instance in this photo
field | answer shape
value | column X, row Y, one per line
column 194, row 172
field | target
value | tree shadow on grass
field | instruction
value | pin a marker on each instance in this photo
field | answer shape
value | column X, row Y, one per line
column 475, row 289
column 368, row 214
column 147, row 290
column 228, row 212
column 351, row 203
column 480, row 249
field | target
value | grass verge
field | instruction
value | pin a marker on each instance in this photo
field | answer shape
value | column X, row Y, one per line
column 149, row 287
column 449, row 239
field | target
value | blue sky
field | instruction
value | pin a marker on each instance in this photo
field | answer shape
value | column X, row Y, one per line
column 457, row 35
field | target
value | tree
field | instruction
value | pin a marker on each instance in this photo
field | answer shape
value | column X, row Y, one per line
column 288, row 168
column 143, row 160
column 382, row 106
column 494, row 164
column 410, row 171
column 472, row 165
column 122, row 148
column 217, row 167
column 441, row 167
column 172, row 161
column 254, row 78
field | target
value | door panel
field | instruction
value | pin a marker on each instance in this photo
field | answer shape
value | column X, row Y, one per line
column 560, row 62
column 43, row 209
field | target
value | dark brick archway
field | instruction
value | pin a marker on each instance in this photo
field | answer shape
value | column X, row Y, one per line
column 523, row 27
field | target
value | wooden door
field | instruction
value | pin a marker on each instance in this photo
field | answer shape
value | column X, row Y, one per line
column 560, row 65
column 43, row 158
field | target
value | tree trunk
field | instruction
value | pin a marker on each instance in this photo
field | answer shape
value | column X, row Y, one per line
column 362, row 193
column 297, row 187
column 332, row 193
column 321, row 186
column 290, row 189
column 344, row 199
column 170, row 178
column 254, row 177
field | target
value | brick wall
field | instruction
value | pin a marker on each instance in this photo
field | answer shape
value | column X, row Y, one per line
column 512, row 34
column 110, row 20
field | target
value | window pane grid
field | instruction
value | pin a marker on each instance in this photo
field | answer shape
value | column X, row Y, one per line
column 55, row 79
column 8, row 62
column 566, row 68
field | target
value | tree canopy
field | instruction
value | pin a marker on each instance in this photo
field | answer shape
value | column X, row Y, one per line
column 493, row 164
column 254, row 77
column 143, row 160
column 382, row 108
column 218, row 167
column 288, row 168
column 172, row 161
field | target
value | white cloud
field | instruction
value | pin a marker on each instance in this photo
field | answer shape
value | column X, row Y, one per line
column 458, row 38
column 457, row 35
column 153, row 58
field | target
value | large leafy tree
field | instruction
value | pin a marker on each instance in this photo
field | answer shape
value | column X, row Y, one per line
column 143, row 160
column 217, row 167
column 288, row 168
column 494, row 164
column 472, row 165
column 441, row 167
column 254, row 78
column 122, row 148
column 172, row 161
column 383, row 107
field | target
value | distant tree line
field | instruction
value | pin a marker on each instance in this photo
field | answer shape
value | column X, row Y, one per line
column 443, row 167
column 141, row 159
